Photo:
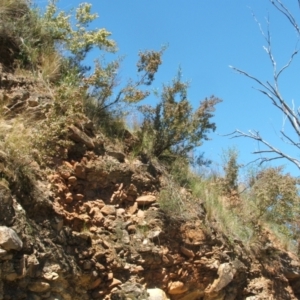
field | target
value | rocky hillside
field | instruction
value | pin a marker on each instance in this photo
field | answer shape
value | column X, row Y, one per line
column 91, row 226
column 92, row 210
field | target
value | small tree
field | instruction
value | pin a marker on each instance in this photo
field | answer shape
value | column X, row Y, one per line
column 103, row 82
column 276, row 197
column 272, row 91
column 174, row 128
column 231, row 170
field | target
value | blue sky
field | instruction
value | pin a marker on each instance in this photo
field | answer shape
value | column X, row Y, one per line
column 204, row 37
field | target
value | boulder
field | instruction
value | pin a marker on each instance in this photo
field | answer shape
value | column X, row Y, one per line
column 9, row 240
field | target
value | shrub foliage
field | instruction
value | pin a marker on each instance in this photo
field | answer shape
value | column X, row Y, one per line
column 173, row 126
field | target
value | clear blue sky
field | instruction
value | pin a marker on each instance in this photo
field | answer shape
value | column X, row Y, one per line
column 204, row 37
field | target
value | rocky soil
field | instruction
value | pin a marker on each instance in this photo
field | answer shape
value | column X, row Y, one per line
column 92, row 229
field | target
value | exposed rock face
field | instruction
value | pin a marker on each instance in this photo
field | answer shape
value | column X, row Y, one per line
column 93, row 229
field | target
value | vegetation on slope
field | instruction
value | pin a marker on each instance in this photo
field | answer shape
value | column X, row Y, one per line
column 52, row 51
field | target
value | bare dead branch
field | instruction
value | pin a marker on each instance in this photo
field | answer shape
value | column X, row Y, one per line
column 269, row 49
column 251, row 77
column 284, row 10
column 271, row 149
column 284, row 107
column 267, row 159
column 290, row 140
column 272, row 92
column 267, row 37
column 287, row 65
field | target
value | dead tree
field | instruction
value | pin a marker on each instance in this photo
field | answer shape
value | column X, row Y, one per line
column 272, row 92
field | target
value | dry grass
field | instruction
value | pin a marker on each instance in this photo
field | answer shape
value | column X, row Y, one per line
column 50, row 66
column 13, row 8
column 16, row 147
column 226, row 218
column 177, row 202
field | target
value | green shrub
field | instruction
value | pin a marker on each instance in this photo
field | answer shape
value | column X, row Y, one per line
column 231, row 171
column 173, row 125
column 276, row 196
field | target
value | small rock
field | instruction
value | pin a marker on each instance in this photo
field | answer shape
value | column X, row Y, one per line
column 95, row 283
column 226, row 273
column 115, row 282
column 110, row 276
column 140, row 214
column 2, row 252
column 187, row 252
column 145, row 200
column 67, row 164
column 176, row 287
column 39, row 286
column 153, row 234
column 108, row 210
column 117, row 155
column 120, row 211
column 51, row 276
column 33, row 102
column 106, row 244
column 65, row 174
column 125, row 237
column 130, row 290
column 72, row 179
column 97, row 216
column 131, row 228
column 11, row 276
column 9, row 240
column 137, row 269
column 78, row 197
column 156, row 294
column 132, row 209
column 87, row 265
column 79, row 170
column 69, row 198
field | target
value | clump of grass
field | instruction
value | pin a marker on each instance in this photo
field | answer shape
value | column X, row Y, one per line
column 12, row 8
column 170, row 200
column 226, row 218
column 177, row 202
column 19, row 167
